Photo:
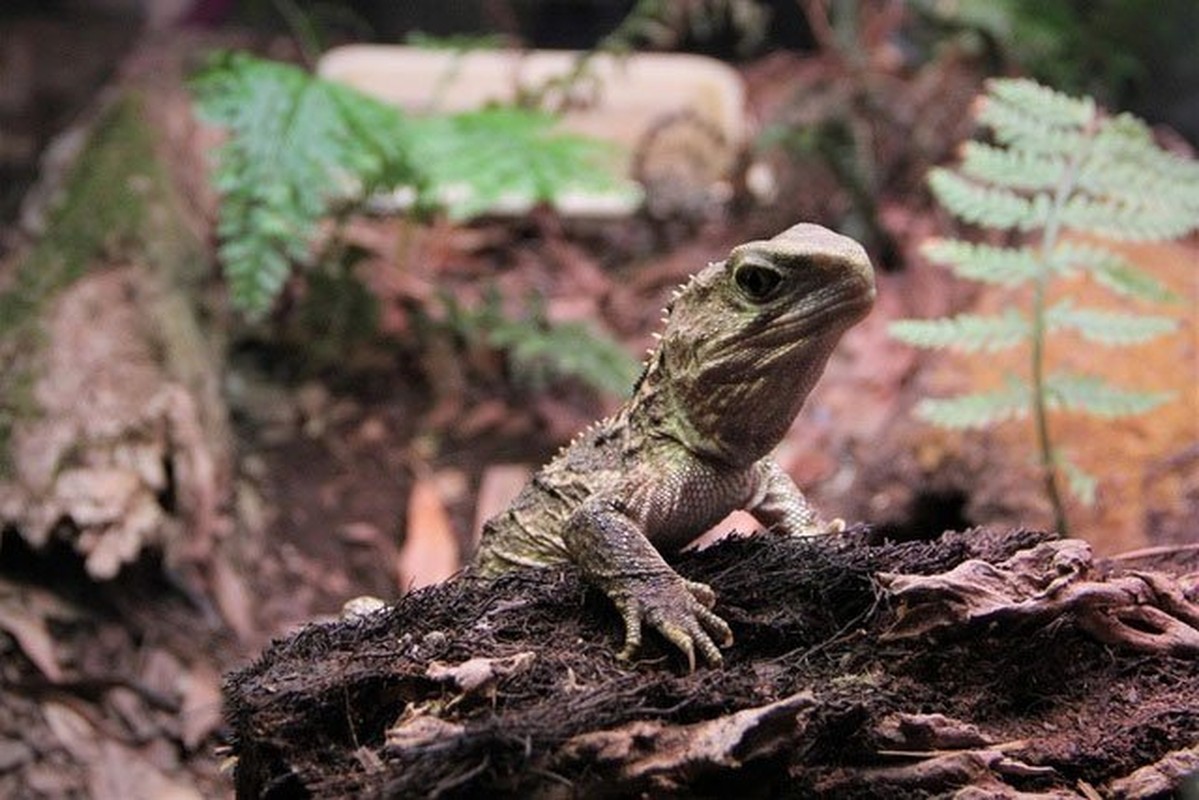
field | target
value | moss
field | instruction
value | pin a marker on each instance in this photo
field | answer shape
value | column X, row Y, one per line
column 16, row 402
column 118, row 203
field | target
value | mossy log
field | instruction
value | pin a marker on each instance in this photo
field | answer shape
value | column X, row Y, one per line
column 113, row 435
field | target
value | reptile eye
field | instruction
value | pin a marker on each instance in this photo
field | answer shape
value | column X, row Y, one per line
column 757, row 281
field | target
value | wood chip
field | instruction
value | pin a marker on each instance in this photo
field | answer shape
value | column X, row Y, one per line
column 429, row 554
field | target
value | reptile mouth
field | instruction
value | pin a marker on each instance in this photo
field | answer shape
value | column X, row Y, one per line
column 839, row 310
column 831, row 316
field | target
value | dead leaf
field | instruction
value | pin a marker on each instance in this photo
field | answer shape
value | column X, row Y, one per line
column 162, row 672
column 232, row 597
column 33, row 637
column 485, row 417
column 121, row 773
column 419, row 730
column 73, row 731
column 429, row 554
column 14, row 754
column 736, row 522
column 97, row 496
column 131, row 708
column 108, row 549
column 452, row 484
column 479, row 673
column 200, row 713
column 364, row 533
column 499, row 487
column 651, row 748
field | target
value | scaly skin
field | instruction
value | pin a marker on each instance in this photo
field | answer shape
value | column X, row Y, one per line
column 745, row 341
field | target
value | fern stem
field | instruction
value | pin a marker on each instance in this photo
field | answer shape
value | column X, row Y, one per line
column 302, row 31
column 1049, row 240
column 1040, row 412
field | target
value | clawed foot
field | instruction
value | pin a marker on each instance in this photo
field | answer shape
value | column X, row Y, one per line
column 680, row 610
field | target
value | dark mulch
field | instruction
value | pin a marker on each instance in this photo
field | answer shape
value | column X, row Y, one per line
column 311, row 715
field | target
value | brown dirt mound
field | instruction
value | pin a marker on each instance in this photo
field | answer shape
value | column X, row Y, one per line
column 512, row 688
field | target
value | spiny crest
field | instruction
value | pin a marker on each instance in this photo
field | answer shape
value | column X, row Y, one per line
column 578, row 437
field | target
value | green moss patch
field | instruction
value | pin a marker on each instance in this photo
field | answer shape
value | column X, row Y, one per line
column 118, row 203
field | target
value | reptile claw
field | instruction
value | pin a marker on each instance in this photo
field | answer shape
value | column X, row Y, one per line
column 701, row 592
column 680, row 611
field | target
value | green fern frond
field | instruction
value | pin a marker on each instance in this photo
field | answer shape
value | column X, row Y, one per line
column 1094, row 395
column 1057, row 167
column 1023, row 128
column 967, row 333
column 1012, row 168
column 1083, row 485
column 1125, row 220
column 1051, row 107
column 294, row 148
column 1133, row 181
column 542, row 352
column 1107, row 327
column 977, row 410
column 506, row 155
column 991, row 207
column 1127, row 145
column 538, row 351
column 1112, row 271
column 1006, row 266
column 298, row 146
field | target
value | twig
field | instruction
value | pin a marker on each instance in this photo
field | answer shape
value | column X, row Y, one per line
column 1150, row 552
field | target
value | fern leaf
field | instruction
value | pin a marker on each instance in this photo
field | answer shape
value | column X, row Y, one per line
column 1121, row 219
column 987, row 206
column 291, row 149
column 1112, row 271
column 1107, row 327
column 1126, row 157
column 966, row 332
column 298, row 144
column 1141, row 181
column 1083, row 485
column 978, row 410
column 1021, row 128
column 506, row 155
column 1050, row 106
column 1005, row 266
column 1096, row 396
column 567, row 350
column 1058, row 166
column 538, row 351
column 1011, row 167
column 1147, row 192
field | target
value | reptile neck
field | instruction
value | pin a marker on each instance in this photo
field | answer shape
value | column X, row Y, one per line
column 658, row 409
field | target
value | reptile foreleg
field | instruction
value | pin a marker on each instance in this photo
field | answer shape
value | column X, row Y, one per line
column 608, row 546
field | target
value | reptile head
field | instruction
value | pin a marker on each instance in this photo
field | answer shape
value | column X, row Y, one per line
column 748, row 337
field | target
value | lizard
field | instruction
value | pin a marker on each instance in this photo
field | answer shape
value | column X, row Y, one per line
column 745, row 341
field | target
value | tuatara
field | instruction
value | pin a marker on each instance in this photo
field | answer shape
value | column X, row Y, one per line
column 745, row 341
